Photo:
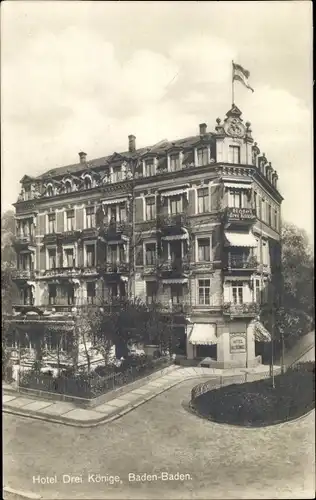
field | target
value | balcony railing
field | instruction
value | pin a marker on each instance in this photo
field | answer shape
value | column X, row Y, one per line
column 248, row 309
column 177, row 221
column 90, row 233
column 24, row 240
column 23, row 274
column 62, row 272
column 202, row 266
column 240, row 215
column 116, row 229
column 149, row 269
column 50, row 238
column 117, row 267
column 177, row 265
column 240, row 262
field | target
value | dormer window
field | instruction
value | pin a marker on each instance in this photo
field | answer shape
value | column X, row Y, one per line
column 174, row 162
column 68, row 187
column 203, row 156
column 149, row 167
column 234, row 154
column 87, row 182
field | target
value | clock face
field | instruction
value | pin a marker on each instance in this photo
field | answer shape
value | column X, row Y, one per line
column 234, row 128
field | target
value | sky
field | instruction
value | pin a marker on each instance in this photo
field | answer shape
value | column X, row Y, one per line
column 82, row 76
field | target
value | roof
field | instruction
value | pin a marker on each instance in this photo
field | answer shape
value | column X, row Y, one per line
column 159, row 148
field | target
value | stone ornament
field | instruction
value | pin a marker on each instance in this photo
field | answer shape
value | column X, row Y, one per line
column 234, row 128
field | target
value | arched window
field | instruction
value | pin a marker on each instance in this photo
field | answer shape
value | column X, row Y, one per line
column 49, row 191
column 87, row 183
column 68, row 187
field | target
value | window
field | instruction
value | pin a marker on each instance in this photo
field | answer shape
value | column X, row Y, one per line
column 68, row 187
column 203, row 200
column 204, row 292
column 174, row 162
column 70, row 295
column 117, row 174
column 149, row 167
column 49, row 191
column 112, row 254
column 151, row 292
column 112, row 213
column 176, row 204
column 202, row 154
column 52, row 294
column 122, row 253
column 150, row 254
column 51, row 223
column 150, row 208
column 234, row 154
column 90, row 217
column 204, row 251
column 90, row 255
column 70, row 220
column 69, row 257
column 122, row 212
column 269, row 215
column 24, row 261
column 52, row 258
column 113, row 290
column 176, row 293
column 237, row 292
column 236, row 198
column 91, row 293
column 87, row 183
column 276, row 220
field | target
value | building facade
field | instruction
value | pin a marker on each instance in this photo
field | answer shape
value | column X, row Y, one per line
column 193, row 224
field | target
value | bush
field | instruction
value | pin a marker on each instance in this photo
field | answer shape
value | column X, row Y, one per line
column 258, row 403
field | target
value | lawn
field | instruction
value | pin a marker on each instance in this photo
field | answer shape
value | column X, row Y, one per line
column 259, row 403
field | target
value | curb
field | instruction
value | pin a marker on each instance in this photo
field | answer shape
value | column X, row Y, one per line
column 98, row 421
column 114, row 416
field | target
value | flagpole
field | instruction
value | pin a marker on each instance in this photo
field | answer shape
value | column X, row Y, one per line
column 233, row 97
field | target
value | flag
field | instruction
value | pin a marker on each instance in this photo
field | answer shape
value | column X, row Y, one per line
column 241, row 74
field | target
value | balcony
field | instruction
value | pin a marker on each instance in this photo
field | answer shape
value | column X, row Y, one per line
column 89, row 233
column 24, row 241
column 116, row 230
column 23, row 274
column 172, row 224
column 173, row 268
column 90, row 271
column 239, row 216
column 247, row 310
column 50, row 239
column 117, row 267
column 202, row 267
column 69, row 236
column 149, row 269
column 62, row 272
column 241, row 263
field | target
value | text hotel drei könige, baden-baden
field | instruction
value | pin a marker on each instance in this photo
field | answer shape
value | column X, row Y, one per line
column 111, row 479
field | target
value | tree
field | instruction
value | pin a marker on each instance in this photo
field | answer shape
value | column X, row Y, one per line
column 294, row 314
column 8, row 255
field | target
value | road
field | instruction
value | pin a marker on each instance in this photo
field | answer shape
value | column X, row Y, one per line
column 161, row 436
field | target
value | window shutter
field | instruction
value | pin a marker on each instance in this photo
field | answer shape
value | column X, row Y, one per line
column 216, row 197
column 139, row 255
column 59, row 222
column 42, row 259
column 139, row 214
column 79, row 214
column 41, row 224
column 191, row 207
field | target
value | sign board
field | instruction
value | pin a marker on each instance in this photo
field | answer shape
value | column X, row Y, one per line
column 237, row 342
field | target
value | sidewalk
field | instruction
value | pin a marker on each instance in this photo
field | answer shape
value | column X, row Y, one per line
column 69, row 414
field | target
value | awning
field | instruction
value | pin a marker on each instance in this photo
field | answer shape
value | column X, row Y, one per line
column 114, row 201
column 203, row 334
column 234, row 185
column 31, row 283
column 240, row 239
column 261, row 333
column 173, row 281
column 176, row 237
column 175, row 192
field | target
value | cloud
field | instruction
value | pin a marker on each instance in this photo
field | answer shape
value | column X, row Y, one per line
column 70, row 89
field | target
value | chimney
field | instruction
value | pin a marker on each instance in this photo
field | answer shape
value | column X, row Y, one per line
column 203, row 127
column 131, row 143
column 82, row 157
